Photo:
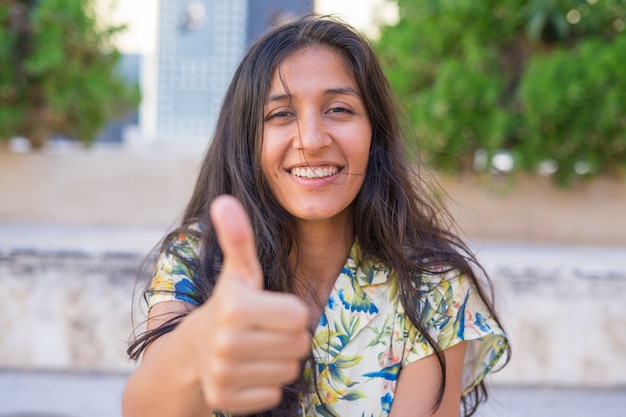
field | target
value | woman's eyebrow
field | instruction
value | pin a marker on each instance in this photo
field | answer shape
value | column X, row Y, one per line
column 348, row 91
column 278, row 97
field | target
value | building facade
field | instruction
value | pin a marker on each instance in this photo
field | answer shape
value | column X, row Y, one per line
column 200, row 43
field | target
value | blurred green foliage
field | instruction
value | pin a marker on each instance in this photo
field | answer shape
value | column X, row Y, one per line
column 542, row 80
column 59, row 72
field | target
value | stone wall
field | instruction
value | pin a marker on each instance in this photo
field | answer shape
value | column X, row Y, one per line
column 66, row 311
column 70, row 310
column 535, row 210
column 149, row 188
column 564, row 309
column 105, row 187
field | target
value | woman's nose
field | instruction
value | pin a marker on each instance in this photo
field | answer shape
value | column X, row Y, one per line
column 312, row 135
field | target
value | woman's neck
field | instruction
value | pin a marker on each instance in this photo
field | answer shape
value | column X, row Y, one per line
column 318, row 258
column 321, row 249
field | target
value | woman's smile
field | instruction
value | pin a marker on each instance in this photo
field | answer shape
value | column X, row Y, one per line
column 314, row 172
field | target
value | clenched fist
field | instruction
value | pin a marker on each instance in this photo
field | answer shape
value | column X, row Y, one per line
column 245, row 342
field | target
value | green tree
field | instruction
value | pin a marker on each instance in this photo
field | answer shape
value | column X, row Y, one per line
column 59, row 72
column 542, row 80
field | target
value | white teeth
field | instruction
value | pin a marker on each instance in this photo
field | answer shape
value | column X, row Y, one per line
column 308, row 172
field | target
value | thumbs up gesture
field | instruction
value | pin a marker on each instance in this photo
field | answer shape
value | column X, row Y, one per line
column 247, row 342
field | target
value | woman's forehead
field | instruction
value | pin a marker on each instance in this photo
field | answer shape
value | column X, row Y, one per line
column 301, row 59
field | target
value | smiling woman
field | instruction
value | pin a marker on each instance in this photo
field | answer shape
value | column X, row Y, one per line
column 316, row 137
column 311, row 274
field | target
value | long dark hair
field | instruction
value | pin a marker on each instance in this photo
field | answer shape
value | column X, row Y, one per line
column 397, row 217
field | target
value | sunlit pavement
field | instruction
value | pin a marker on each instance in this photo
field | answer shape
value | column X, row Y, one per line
column 24, row 394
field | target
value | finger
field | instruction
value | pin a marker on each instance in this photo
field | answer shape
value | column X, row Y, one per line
column 236, row 239
column 246, row 400
column 266, row 310
column 266, row 372
column 277, row 311
column 239, row 374
column 262, row 344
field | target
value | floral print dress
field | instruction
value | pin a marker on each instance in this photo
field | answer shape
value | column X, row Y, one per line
column 364, row 337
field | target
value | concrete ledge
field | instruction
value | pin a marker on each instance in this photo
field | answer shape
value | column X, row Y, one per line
column 565, row 312
column 70, row 309
column 66, row 310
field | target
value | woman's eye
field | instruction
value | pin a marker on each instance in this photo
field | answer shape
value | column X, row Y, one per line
column 278, row 115
column 340, row 110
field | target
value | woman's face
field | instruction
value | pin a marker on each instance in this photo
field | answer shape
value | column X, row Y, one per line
column 316, row 136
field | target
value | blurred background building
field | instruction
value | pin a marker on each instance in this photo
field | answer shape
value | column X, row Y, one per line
column 184, row 62
column 199, row 46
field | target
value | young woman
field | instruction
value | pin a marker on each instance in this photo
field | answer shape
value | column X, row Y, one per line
column 312, row 274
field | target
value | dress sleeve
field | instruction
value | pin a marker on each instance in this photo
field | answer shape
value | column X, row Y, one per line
column 453, row 312
column 175, row 271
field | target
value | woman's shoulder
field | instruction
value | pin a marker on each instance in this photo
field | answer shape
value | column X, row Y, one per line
column 444, row 286
column 439, row 276
column 184, row 241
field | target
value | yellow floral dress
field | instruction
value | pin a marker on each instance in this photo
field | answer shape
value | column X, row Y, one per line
column 364, row 337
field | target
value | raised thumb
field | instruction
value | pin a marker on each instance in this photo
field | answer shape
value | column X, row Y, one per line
column 236, row 239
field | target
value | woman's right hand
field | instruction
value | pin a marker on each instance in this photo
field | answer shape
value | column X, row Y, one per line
column 244, row 343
